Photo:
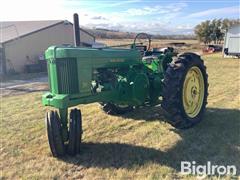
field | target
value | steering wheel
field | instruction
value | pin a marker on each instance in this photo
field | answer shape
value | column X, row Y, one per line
column 141, row 39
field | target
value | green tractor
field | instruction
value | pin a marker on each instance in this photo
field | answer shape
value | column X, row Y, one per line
column 121, row 80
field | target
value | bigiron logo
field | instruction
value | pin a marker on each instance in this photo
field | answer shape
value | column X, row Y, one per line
column 207, row 169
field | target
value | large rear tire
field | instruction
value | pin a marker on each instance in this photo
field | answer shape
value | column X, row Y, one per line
column 185, row 90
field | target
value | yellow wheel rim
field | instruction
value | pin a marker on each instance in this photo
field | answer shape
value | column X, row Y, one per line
column 193, row 92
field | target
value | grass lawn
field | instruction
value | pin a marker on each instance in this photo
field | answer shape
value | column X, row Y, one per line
column 140, row 145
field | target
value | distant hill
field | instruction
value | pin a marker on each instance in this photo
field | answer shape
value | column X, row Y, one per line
column 111, row 34
column 101, row 33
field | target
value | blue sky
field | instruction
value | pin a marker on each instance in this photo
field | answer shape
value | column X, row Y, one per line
column 157, row 17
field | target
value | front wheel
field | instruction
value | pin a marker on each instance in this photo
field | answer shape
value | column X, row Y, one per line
column 185, row 90
column 55, row 139
column 75, row 132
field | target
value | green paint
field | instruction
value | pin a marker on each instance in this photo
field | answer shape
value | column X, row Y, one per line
column 84, row 75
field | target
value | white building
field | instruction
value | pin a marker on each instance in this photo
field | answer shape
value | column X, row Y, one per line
column 24, row 42
column 232, row 41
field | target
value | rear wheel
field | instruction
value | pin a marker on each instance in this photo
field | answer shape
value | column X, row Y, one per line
column 114, row 109
column 185, row 90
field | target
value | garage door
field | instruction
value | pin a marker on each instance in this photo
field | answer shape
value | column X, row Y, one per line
column 1, row 60
column 234, row 45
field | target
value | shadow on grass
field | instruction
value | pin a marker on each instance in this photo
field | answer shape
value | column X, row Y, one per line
column 155, row 113
column 215, row 139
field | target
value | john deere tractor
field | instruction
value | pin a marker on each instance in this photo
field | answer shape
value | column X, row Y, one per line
column 120, row 79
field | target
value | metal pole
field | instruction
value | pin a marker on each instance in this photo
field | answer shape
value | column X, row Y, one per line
column 76, row 30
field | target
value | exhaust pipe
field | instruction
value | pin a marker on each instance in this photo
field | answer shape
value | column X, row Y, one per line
column 76, row 30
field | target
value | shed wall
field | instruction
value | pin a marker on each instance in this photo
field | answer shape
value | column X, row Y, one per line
column 27, row 49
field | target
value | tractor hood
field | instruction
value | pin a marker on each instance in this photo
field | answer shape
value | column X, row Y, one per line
column 116, row 55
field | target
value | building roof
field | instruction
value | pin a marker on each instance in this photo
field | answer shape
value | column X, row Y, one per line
column 10, row 30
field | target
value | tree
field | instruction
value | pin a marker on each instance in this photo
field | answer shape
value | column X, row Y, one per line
column 213, row 31
column 203, row 32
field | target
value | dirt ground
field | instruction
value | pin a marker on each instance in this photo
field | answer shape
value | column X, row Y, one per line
column 23, row 86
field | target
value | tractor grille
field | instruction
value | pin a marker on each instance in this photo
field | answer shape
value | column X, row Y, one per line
column 49, row 78
column 67, row 76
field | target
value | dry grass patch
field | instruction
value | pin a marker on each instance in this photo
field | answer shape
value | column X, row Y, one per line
column 191, row 45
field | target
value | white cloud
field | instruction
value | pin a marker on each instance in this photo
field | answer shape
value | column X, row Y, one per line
column 32, row 10
column 151, row 19
column 132, row 20
column 185, row 27
column 151, row 27
column 98, row 18
column 215, row 12
column 176, row 7
column 115, row 4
